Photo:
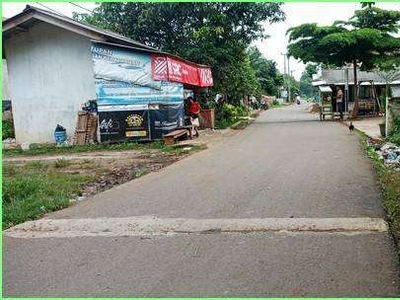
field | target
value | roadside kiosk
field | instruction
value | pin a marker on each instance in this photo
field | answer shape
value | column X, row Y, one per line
column 326, row 102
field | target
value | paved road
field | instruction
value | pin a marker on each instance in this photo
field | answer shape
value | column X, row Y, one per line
column 285, row 165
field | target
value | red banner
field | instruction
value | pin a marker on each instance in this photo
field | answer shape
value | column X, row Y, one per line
column 171, row 69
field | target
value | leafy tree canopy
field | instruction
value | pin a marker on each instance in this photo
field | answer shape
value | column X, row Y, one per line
column 365, row 38
column 266, row 72
column 306, row 88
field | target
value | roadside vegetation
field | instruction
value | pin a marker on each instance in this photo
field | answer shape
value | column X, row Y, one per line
column 229, row 114
column 31, row 189
column 37, row 188
column 7, row 129
column 389, row 180
column 394, row 135
column 49, row 149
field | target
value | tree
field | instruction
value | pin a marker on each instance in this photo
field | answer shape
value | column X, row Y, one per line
column 294, row 86
column 212, row 33
column 366, row 39
column 306, row 88
column 266, row 72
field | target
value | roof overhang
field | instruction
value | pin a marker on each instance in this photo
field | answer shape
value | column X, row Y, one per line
column 31, row 15
column 325, row 89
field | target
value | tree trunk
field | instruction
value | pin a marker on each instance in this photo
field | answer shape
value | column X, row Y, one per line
column 356, row 100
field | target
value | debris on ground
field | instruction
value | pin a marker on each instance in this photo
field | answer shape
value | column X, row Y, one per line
column 388, row 152
column 314, row 108
column 25, row 146
column 124, row 174
column 10, row 144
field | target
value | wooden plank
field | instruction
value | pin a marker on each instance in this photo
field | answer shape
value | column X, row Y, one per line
column 176, row 133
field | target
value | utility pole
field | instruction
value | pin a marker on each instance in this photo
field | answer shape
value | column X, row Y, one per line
column 288, row 66
column 346, row 88
column 284, row 74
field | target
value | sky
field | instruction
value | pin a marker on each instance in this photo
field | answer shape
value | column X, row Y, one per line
column 272, row 48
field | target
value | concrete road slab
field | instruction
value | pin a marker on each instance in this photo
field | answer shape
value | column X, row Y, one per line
column 197, row 265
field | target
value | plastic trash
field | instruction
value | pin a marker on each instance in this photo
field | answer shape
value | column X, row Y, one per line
column 60, row 134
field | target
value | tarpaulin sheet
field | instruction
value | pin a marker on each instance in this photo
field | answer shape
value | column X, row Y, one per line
column 123, row 77
column 122, row 93
column 165, row 118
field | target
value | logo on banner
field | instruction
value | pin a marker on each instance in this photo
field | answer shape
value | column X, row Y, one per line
column 160, row 67
column 134, row 120
column 206, row 77
column 176, row 69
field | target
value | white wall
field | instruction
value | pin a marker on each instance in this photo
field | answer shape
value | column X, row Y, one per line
column 50, row 75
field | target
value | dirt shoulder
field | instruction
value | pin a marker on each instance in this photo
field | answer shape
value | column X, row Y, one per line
column 38, row 183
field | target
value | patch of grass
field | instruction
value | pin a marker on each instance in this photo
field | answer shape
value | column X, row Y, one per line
column 49, row 149
column 62, row 163
column 224, row 123
column 242, row 124
column 36, row 164
column 28, row 193
column 389, row 180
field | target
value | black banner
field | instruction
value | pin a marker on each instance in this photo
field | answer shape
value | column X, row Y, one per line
column 165, row 118
column 124, row 125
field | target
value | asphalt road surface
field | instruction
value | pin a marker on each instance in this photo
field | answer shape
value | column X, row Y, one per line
column 287, row 207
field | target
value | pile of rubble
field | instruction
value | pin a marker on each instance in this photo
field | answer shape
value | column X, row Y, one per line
column 314, row 108
column 390, row 154
column 10, row 144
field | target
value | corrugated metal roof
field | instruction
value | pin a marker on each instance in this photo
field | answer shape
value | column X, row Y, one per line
column 338, row 77
column 32, row 12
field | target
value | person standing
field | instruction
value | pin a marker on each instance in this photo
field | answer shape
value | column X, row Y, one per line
column 194, row 112
column 339, row 99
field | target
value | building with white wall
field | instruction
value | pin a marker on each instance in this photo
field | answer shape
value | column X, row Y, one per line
column 50, row 70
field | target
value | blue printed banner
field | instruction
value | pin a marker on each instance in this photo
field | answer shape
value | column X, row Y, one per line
column 122, row 93
column 123, row 77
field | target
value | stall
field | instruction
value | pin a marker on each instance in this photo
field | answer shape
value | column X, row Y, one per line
column 140, row 94
column 326, row 108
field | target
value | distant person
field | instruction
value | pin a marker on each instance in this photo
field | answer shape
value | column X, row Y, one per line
column 339, row 99
column 194, row 113
column 297, row 99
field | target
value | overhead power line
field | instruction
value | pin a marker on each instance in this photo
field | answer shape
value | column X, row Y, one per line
column 58, row 13
column 84, row 8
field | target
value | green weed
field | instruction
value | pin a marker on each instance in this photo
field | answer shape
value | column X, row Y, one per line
column 28, row 194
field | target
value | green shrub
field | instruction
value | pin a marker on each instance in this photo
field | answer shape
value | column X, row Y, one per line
column 229, row 111
column 242, row 111
column 394, row 135
column 8, row 129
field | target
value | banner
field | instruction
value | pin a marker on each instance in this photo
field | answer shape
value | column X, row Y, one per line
column 123, row 77
column 109, row 92
column 171, row 69
column 123, row 65
column 165, row 118
column 124, row 125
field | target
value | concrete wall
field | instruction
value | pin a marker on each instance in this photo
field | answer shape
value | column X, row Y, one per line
column 50, row 75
